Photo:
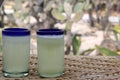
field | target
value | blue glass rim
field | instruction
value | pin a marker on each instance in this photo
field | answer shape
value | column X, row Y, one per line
column 50, row 32
column 15, row 32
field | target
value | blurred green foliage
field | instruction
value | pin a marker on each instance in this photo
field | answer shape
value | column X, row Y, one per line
column 76, row 42
column 106, row 52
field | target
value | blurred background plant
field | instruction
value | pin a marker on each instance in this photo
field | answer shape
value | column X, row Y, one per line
column 99, row 15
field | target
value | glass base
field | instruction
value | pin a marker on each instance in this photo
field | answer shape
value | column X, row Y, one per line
column 15, row 75
column 50, row 75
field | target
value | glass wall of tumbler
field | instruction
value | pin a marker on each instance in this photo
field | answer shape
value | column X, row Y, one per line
column 16, row 52
column 50, row 48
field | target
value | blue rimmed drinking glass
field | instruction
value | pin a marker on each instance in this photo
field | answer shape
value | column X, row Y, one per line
column 50, row 52
column 16, row 51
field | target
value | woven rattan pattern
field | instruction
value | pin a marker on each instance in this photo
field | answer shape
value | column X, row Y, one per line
column 78, row 68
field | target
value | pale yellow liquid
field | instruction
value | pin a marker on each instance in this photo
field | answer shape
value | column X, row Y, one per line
column 16, row 55
column 50, row 56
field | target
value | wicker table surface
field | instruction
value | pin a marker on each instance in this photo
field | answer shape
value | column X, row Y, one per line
column 78, row 68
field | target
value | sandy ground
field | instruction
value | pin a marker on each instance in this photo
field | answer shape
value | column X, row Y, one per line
column 89, row 39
